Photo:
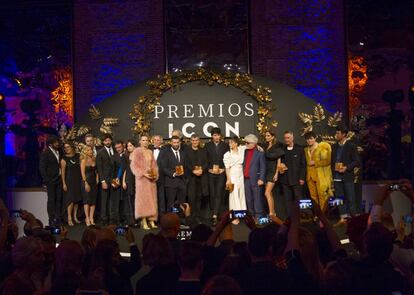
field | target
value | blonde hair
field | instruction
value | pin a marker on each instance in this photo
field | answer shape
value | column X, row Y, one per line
column 83, row 154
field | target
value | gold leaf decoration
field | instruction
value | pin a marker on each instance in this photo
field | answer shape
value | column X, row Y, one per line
column 105, row 129
column 307, row 129
column 306, row 118
column 318, row 113
column 72, row 133
column 110, row 121
column 95, row 113
column 145, row 105
column 83, row 130
column 333, row 121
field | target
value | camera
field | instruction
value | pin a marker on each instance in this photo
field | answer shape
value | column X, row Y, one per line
column 334, row 202
column 54, row 230
column 121, row 230
column 394, row 187
column 305, row 204
column 234, row 214
column 15, row 213
column 264, row 220
column 178, row 210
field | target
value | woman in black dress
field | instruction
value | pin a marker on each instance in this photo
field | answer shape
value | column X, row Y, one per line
column 89, row 184
column 273, row 153
column 71, row 180
column 128, row 184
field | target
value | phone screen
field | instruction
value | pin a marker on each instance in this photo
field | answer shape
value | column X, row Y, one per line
column 120, row 230
column 238, row 214
column 305, row 204
column 264, row 220
column 15, row 213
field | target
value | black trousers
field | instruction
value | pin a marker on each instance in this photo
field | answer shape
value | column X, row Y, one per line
column 129, row 207
column 217, row 185
column 195, row 196
column 110, row 200
column 176, row 194
column 115, row 205
column 291, row 193
column 162, row 209
column 54, row 201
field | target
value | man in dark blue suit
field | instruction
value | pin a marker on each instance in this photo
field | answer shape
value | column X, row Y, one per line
column 254, row 170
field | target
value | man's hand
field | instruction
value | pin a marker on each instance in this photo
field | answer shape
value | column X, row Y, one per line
column 250, row 222
column 197, row 172
column 260, row 182
column 301, row 182
column 259, row 148
column 104, row 185
column 342, row 169
column 186, row 209
column 29, row 217
column 224, row 220
column 129, row 236
column 221, row 171
column 383, row 195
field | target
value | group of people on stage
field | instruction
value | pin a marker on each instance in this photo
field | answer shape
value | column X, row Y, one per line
column 130, row 181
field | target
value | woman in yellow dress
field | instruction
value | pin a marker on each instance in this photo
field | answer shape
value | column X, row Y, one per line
column 318, row 170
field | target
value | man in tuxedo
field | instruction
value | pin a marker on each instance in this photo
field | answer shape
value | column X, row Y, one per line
column 51, row 174
column 90, row 141
column 156, row 146
column 216, row 149
column 254, row 170
column 105, row 168
column 118, row 193
column 174, row 180
column 292, row 170
column 344, row 159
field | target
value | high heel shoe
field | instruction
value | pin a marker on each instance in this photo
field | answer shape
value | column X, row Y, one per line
column 76, row 219
column 144, row 224
column 88, row 223
column 152, row 224
column 70, row 222
column 92, row 221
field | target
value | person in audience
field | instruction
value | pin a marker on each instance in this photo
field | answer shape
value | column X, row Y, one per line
column 222, row 285
column 292, row 170
column 90, row 180
column 190, row 262
column 71, row 181
column 28, row 258
column 273, row 154
column 51, row 175
column 145, row 169
column 105, row 168
column 158, row 254
column 128, row 184
column 344, row 159
column 88, row 242
column 254, row 171
column 318, row 170
column 216, row 148
column 68, row 268
column 170, row 227
column 196, row 165
column 233, row 161
column 173, row 167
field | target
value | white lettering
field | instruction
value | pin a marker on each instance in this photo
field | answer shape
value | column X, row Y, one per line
column 221, row 110
column 202, row 110
column 158, row 110
column 170, row 129
column 185, row 127
column 249, row 107
column 188, row 111
column 235, row 130
column 238, row 109
column 172, row 109
column 206, row 127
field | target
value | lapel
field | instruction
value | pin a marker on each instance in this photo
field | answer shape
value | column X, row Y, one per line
column 255, row 155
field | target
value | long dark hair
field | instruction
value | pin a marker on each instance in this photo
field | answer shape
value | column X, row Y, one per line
column 274, row 141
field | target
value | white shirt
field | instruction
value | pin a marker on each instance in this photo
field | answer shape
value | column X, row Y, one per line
column 110, row 151
column 156, row 153
column 176, row 154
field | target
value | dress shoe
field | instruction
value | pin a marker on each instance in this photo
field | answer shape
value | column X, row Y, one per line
column 152, row 224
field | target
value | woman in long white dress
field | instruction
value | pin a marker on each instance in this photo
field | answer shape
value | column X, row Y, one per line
column 233, row 161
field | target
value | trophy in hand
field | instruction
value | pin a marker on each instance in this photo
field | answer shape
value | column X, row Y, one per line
column 339, row 166
column 179, row 170
column 282, row 168
column 115, row 183
column 230, row 187
column 216, row 169
column 198, row 169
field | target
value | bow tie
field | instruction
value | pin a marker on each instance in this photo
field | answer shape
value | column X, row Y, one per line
column 157, row 148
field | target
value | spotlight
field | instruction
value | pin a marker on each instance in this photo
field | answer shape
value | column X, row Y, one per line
column 361, row 43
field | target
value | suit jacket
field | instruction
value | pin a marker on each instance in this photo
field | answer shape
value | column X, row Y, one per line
column 257, row 166
column 119, row 165
column 215, row 156
column 197, row 158
column 350, row 159
column 296, row 166
column 168, row 163
column 50, row 166
column 105, row 166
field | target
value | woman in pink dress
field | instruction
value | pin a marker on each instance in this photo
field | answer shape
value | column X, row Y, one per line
column 145, row 169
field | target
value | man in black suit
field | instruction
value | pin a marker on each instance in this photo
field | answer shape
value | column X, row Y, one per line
column 90, row 141
column 118, row 193
column 105, row 168
column 156, row 146
column 344, row 159
column 216, row 149
column 50, row 171
column 292, row 170
column 175, row 181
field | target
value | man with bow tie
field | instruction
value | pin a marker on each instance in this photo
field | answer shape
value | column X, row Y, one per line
column 105, row 166
column 156, row 148
column 50, row 171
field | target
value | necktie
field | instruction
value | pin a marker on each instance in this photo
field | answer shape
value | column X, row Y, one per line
column 177, row 157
